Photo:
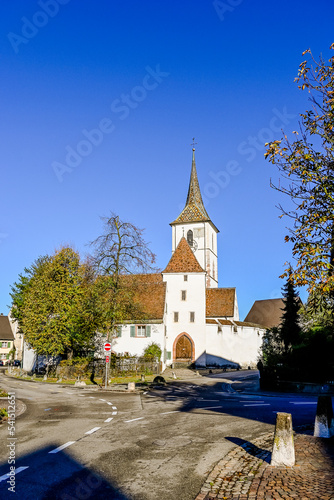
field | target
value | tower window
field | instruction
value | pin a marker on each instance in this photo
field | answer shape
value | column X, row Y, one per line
column 190, row 238
column 183, row 294
column 192, row 317
column 176, row 317
column 185, row 277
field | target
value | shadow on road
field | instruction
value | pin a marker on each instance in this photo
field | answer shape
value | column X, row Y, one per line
column 57, row 477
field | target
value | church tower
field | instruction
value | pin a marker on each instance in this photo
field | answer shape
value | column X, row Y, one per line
column 195, row 226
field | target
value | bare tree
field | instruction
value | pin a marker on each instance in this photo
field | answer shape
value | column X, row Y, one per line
column 119, row 254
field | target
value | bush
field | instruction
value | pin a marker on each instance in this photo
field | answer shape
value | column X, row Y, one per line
column 3, row 414
column 153, row 352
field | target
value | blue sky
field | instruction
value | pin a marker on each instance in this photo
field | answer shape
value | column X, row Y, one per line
column 127, row 85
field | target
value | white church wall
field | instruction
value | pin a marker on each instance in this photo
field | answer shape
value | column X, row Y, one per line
column 135, row 346
column 241, row 346
column 194, row 302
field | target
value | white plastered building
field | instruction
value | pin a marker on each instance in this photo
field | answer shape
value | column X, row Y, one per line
column 186, row 313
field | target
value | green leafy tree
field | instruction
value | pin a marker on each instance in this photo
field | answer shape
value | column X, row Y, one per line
column 119, row 254
column 20, row 288
column 56, row 306
column 307, row 165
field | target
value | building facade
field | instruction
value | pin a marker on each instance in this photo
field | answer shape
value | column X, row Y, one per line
column 186, row 313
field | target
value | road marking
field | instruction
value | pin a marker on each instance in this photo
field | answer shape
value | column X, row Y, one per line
column 102, row 400
column 93, row 430
column 252, row 401
column 92, row 397
column 261, row 404
column 208, row 400
column 304, row 403
column 114, row 413
column 56, row 450
column 206, row 407
column 114, row 407
column 108, row 420
column 47, row 409
column 167, row 412
column 140, row 418
column 6, row 476
column 110, row 403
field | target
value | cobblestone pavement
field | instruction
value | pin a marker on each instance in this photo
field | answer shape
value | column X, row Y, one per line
column 245, row 472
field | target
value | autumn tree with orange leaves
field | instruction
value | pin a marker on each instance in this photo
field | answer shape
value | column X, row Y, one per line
column 306, row 163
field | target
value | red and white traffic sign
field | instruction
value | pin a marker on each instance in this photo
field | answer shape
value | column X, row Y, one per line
column 107, row 359
column 107, row 347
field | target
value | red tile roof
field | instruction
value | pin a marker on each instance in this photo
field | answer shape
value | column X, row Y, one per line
column 6, row 332
column 220, row 302
column 266, row 312
column 149, row 293
column 183, row 260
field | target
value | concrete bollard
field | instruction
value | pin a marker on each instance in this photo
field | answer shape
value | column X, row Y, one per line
column 174, row 375
column 283, row 447
column 131, row 386
column 324, row 423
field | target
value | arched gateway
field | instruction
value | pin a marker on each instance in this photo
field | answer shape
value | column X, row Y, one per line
column 183, row 349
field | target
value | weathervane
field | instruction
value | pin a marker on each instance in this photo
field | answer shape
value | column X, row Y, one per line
column 193, row 143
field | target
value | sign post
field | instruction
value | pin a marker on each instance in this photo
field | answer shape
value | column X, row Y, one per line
column 107, row 349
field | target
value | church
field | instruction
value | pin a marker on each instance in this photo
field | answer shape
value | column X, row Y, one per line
column 192, row 320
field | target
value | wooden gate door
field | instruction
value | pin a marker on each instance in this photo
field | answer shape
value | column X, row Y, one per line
column 183, row 349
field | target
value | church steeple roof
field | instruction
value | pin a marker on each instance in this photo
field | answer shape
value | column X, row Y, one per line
column 194, row 210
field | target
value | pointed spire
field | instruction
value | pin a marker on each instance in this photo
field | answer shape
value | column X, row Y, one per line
column 194, row 210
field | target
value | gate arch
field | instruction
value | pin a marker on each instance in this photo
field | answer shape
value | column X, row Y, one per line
column 183, row 348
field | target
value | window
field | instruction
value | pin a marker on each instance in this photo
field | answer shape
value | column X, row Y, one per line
column 5, row 344
column 140, row 331
column 3, row 356
column 176, row 317
column 183, row 294
column 190, row 238
column 192, row 317
column 185, row 277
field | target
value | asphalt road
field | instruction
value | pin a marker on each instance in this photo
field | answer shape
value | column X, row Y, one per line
column 75, row 443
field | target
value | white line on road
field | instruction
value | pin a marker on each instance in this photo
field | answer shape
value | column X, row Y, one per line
column 6, row 476
column 110, row 403
column 167, row 412
column 114, row 413
column 207, row 407
column 114, row 407
column 108, row 420
column 92, row 397
column 261, row 404
column 93, row 430
column 255, row 402
column 102, row 400
column 304, row 403
column 127, row 421
column 56, row 450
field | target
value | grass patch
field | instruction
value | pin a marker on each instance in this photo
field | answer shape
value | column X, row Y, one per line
column 113, row 380
column 3, row 394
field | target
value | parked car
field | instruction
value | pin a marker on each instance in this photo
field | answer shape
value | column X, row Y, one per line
column 17, row 362
column 1, row 362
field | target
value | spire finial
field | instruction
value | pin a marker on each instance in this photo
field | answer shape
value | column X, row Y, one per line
column 193, row 144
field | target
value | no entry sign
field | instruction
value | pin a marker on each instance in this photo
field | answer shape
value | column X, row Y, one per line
column 107, row 347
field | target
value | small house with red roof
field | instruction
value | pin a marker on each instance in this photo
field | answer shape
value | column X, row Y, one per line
column 186, row 313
